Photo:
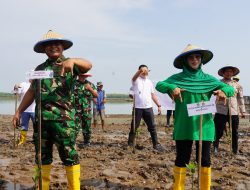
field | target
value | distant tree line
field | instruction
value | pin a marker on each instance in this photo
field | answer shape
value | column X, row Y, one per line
column 113, row 96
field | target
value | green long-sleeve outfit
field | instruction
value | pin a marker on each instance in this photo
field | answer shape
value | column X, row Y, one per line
column 198, row 87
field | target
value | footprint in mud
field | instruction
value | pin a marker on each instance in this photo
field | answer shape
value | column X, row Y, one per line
column 139, row 147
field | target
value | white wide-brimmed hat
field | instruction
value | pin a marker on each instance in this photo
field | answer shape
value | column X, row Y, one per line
column 221, row 71
column 206, row 55
column 49, row 37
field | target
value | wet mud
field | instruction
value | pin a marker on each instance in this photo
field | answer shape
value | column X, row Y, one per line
column 108, row 163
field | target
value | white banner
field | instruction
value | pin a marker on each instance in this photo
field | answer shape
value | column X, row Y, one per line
column 164, row 99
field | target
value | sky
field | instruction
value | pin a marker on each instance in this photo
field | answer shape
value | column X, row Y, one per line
column 119, row 35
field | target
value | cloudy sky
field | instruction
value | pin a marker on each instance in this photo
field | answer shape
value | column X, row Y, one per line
column 119, row 35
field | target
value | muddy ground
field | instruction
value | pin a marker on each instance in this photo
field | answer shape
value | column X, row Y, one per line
column 109, row 164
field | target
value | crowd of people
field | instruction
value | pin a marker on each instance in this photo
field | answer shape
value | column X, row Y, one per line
column 66, row 106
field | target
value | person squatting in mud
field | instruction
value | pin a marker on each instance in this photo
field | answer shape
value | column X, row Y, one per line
column 192, row 85
column 84, row 91
column 230, row 110
column 57, row 107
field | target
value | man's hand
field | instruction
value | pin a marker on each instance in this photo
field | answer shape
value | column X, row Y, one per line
column 16, row 120
column 67, row 66
column 177, row 93
column 95, row 100
column 220, row 96
column 242, row 114
column 88, row 86
column 144, row 70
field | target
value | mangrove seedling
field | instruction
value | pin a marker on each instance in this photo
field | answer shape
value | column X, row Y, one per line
column 191, row 167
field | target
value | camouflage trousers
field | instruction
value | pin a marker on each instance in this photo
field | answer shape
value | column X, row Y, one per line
column 84, row 122
column 63, row 135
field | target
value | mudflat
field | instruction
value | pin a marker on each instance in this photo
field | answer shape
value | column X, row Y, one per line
column 108, row 163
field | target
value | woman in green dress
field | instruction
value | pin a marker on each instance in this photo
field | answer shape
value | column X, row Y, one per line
column 192, row 85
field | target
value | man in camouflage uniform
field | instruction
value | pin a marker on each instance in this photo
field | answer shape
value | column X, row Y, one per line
column 230, row 110
column 57, row 107
column 84, row 91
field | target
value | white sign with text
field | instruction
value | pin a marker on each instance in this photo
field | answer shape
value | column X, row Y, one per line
column 201, row 108
column 40, row 74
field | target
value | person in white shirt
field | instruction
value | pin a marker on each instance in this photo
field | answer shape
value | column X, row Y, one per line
column 28, row 114
column 144, row 93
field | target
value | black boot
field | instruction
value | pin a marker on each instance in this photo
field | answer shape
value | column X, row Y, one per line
column 131, row 139
column 216, row 147
column 87, row 138
column 156, row 145
column 235, row 148
column 168, row 122
column 235, row 143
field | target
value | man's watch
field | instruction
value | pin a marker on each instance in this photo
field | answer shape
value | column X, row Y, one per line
column 159, row 106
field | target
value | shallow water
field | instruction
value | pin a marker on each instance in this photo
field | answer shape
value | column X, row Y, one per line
column 5, row 185
column 8, row 107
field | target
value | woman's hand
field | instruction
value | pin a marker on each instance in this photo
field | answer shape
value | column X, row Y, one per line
column 220, row 96
column 177, row 93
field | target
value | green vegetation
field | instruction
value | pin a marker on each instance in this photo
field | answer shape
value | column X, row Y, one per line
column 118, row 98
column 121, row 96
column 110, row 97
column 191, row 167
column 4, row 95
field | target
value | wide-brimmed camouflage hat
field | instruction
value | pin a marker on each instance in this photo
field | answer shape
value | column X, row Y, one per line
column 221, row 71
column 206, row 55
column 50, row 37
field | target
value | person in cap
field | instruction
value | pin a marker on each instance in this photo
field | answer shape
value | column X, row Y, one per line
column 230, row 110
column 84, row 91
column 143, row 92
column 192, row 85
column 236, row 78
column 57, row 107
column 26, row 115
column 99, row 108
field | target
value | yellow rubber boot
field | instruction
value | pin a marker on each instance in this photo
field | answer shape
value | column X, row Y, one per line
column 73, row 175
column 179, row 178
column 23, row 136
column 45, row 177
column 205, row 178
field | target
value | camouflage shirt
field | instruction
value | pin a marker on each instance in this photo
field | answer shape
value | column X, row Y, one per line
column 57, row 97
column 83, row 97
